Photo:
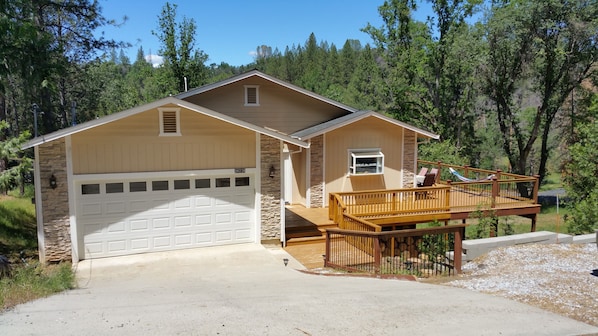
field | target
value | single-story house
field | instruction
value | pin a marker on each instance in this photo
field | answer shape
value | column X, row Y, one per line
column 212, row 166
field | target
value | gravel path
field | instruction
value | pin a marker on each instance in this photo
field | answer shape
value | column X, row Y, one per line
column 562, row 278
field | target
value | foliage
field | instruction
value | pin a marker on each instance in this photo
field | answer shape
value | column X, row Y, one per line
column 486, row 226
column 13, row 166
column 17, row 226
column 444, row 151
column 33, row 281
column 581, row 179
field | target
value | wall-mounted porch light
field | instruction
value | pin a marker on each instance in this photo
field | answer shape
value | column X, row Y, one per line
column 272, row 171
column 53, row 183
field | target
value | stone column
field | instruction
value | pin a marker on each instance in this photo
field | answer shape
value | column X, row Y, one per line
column 316, row 177
column 55, row 202
column 270, row 188
column 409, row 153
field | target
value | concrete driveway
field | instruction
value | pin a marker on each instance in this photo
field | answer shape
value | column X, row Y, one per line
column 247, row 290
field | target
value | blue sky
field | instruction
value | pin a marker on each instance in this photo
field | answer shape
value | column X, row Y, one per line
column 230, row 30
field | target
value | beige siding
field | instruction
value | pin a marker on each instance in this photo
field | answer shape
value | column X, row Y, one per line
column 368, row 133
column 133, row 144
column 298, row 160
column 280, row 108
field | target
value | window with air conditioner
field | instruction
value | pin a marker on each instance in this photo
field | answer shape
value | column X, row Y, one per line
column 170, row 124
column 366, row 161
column 252, row 95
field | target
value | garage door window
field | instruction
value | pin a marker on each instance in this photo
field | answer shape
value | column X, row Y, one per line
column 113, row 188
column 90, row 189
column 241, row 181
column 223, row 182
column 159, row 185
column 182, row 184
column 202, row 183
column 137, row 186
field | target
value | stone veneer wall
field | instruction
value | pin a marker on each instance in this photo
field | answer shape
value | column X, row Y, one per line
column 409, row 154
column 270, row 188
column 55, row 203
column 316, row 180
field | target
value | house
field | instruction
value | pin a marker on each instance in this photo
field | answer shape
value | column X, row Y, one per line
column 212, row 166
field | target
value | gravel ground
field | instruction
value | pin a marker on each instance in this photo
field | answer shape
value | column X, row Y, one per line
column 562, row 278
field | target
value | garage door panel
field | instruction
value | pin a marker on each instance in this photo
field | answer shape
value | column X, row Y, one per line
column 161, row 223
column 127, row 222
column 139, row 224
column 182, row 221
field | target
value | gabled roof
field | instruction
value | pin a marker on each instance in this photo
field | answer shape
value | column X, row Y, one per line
column 158, row 103
column 257, row 73
column 351, row 118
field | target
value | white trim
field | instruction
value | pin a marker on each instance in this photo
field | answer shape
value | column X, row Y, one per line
column 41, row 239
column 258, row 188
column 177, row 112
column 159, row 174
column 281, row 197
column 256, row 73
column 154, row 105
column 352, row 118
column 308, row 177
column 402, row 173
column 72, row 199
column 324, row 196
column 257, row 95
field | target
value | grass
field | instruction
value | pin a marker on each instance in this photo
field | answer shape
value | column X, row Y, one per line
column 548, row 220
column 28, row 280
column 33, row 281
column 551, row 181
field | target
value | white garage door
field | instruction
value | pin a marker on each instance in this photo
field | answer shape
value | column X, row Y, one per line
column 120, row 217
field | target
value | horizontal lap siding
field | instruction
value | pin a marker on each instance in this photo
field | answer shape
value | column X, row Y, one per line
column 368, row 133
column 281, row 109
column 133, row 145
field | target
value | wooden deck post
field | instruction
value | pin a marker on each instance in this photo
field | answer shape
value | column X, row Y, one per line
column 377, row 255
column 536, row 186
column 458, row 250
column 327, row 255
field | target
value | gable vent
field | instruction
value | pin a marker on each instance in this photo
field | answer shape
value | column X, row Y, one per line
column 252, row 95
column 169, row 122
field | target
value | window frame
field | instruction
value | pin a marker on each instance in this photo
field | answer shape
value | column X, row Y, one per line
column 177, row 120
column 361, row 169
column 257, row 95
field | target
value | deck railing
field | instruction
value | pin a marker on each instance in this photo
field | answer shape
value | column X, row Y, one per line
column 419, row 252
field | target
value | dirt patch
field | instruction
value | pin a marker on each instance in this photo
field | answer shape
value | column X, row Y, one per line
column 561, row 278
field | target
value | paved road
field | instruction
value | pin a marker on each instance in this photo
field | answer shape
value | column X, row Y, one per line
column 247, row 290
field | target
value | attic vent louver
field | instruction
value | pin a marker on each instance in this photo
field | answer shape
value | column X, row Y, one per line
column 252, row 95
column 169, row 122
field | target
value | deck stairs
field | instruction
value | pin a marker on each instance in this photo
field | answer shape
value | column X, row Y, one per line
column 306, row 226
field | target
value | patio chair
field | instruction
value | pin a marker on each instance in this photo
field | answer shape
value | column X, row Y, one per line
column 429, row 181
column 419, row 178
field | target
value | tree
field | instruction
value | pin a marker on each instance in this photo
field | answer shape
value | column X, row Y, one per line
column 538, row 52
column 181, row 59
column 581, row 178
column 13, row 165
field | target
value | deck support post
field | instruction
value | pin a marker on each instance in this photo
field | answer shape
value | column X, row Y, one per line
column 534, row 223
column 458, row 250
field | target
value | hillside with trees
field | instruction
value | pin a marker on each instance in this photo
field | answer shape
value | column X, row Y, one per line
column 507, row 84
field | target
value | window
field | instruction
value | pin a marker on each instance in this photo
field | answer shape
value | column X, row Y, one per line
column 137, row 186
column 202, row 183
column 252, row 95
column 241, row 181
column 113, row 188
column 159, row 185
column 182, row 184
column 366, row 161
column 90, row 189
column 169, row 122
column 223, row 182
